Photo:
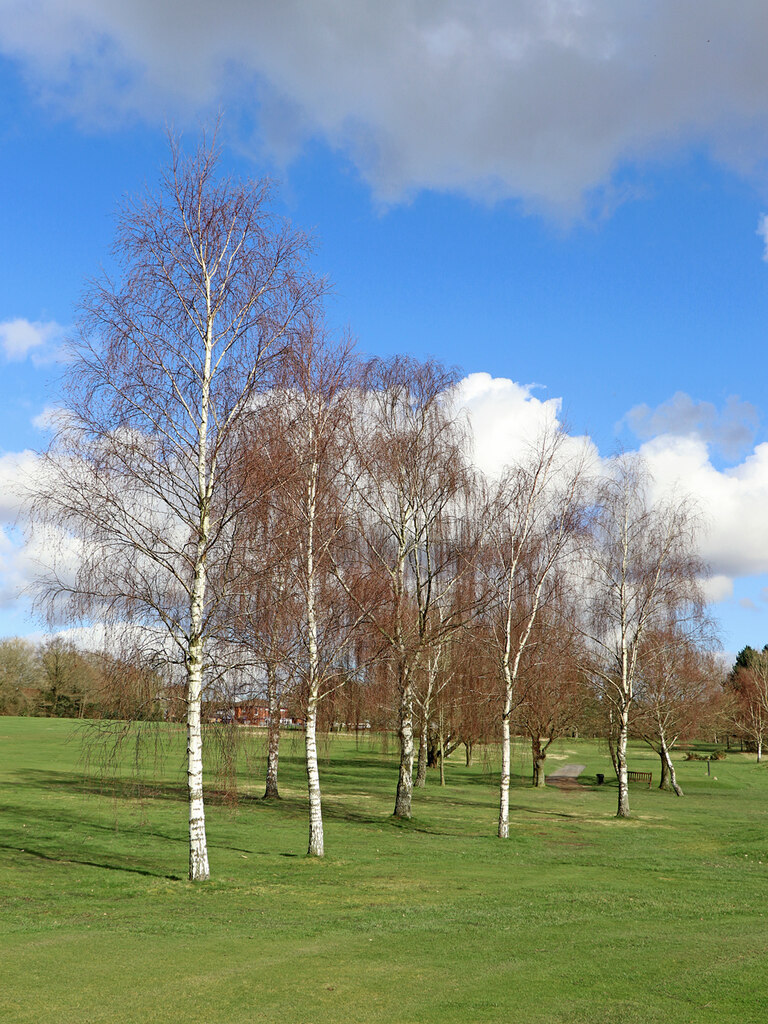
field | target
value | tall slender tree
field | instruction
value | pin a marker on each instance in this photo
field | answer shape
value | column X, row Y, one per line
column 311, row 408
column 539, row 510
column 678, row 676
column 170, row 354
column 410, row 476
column 642, row 570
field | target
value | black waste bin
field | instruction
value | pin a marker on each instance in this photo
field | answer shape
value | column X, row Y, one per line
column 600, row 778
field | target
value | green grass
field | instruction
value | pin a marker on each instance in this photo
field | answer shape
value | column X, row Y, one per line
column 579, row 917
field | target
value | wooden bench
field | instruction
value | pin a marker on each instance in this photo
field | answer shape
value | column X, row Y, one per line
column 640, row 777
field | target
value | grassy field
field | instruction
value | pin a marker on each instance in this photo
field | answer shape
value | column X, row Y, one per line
column 579, row 917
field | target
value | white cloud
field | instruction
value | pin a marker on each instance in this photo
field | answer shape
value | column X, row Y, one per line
column 17, row 471
column 762, row 231
column 12, row 577
column 48, row 418
column 732, row 501
column 539, row 100
column 718, row 588
column 730, row 430
column 506, row 418
column 21, row 558
column 20, row 338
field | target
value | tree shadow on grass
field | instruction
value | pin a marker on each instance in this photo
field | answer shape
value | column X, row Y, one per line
column 121, row 787
column 126, row 788
column 51, row 858
column 354, row 765
column 492, row 780
column 61, row 820
column 290, row 809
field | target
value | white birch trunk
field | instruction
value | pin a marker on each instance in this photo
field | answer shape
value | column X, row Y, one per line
column 621, row 764
column 198, row 845
column 670, row 769
column 405, row 777
column 273, row 742
column 421, row 771
column 316, row 846
column 506, row 756
column 510, row 674
column 198, row 848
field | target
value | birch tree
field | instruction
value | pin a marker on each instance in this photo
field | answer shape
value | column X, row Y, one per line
column 266, row 607
column 538, row 512
column 170, row 352
column 410, row 477
column 311, row 407
column 642, row 570
column 677, row 678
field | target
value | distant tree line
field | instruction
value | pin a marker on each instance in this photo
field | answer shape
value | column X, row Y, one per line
column 747, row 698
column 56, row 679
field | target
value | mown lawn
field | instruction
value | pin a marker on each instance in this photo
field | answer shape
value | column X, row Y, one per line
column 579, row 917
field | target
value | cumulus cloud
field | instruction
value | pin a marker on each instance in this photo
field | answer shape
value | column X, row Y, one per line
column 507, row 420
column 730, row 430
column 539, row 100
column 506, row 417
column 17, row 471
column 762, row 230
column 732, row 501
column 718, row 588
column 19, row 338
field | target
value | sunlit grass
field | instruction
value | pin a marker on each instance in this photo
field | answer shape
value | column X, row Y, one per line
column 580, row 917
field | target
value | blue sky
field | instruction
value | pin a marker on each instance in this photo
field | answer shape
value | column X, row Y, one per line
column 570, row 202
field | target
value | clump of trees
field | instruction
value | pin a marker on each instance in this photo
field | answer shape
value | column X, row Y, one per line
column 249, row 507
column 57, row 679
column 641, row 579
column 21, row 677
column 746, row 705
